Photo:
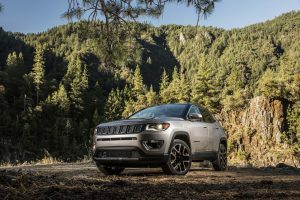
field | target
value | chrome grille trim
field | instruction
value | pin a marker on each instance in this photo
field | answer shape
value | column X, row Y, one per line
column 120, row 130
column 116, row 139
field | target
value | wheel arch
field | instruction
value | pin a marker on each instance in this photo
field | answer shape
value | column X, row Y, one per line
column 182, row 135
column 223, row 140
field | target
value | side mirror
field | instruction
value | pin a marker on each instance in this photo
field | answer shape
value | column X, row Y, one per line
column 195, row 116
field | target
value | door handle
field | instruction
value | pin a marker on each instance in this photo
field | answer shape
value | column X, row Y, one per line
column 204, row 127
column 217, row 128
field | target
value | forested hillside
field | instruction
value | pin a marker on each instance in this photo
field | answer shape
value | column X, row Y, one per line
column 56, row 86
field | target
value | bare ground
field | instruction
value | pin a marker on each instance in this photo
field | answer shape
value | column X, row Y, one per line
column 83, row 181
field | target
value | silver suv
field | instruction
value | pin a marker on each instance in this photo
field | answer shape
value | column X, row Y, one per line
column 170, row 136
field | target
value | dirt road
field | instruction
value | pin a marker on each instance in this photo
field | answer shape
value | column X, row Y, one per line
column 83, row 181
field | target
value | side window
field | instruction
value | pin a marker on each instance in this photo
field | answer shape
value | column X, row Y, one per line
column 194, row 109
column 207, row 117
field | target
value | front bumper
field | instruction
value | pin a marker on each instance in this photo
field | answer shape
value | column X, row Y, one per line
column 128, row 150
column 127, row 157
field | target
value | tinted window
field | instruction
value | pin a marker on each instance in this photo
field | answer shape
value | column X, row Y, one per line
column 194, row 109
column 170, row 110
column 207, row 116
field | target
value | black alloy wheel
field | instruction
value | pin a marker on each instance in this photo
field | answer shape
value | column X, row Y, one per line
column 179, row 161
column 220, row 164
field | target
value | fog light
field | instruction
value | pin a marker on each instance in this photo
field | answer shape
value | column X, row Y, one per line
column 152, row 144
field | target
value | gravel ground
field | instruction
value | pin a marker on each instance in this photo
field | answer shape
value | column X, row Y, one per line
column 83, row 181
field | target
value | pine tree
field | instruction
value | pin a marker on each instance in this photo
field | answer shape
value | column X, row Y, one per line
column 74, row 67
column 60, row 99
column 12, row 59
column 164, row 93
column 135, row 94
column 15, row 65
column 184, row 88
column 114, row 105
column 20, row 60
column 151, row 97
column 174, row 88
column 137, row 82
column 38, row 71
column 205, row 91
column 78, row 79
column 97, row 96
column 14, row 82
column 149, row 61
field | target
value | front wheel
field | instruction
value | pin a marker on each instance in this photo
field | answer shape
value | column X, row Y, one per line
column 220, row 164
column 179, row 160
column 110, row 170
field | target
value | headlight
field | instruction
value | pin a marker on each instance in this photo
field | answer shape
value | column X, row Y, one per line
column 157, row 127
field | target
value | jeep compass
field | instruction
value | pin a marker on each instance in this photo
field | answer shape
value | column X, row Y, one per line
column 170, row 136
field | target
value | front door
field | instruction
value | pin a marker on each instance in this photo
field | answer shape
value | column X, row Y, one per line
column 199, row 132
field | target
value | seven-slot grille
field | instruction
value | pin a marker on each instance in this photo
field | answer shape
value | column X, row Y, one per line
column 115, row 130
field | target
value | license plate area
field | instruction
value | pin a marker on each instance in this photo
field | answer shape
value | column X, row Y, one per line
column 114, row 154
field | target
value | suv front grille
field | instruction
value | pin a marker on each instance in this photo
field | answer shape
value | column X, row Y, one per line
column 116, row 130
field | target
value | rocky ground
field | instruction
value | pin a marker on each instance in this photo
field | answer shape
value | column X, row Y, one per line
column 83, row 181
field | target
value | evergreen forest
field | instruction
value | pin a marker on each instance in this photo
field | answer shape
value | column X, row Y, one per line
column 56, row 86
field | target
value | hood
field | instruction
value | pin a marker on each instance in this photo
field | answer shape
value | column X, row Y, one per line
column 140, row 121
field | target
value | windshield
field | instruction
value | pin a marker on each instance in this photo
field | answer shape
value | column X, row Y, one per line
column 170, row 110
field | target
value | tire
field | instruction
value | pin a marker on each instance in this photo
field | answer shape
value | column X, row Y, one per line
column 110, row 170
column 220, row 164
column 179, row 160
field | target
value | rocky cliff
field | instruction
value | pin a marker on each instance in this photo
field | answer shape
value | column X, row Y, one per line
column 255, row 134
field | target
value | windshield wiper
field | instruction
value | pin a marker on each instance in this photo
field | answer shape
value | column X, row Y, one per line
column 142, row 118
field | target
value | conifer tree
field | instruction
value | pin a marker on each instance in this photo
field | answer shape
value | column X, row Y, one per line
column 129, row 108
column 205, row 90
column 184, row 88
column 164, row 93
column 151, row 97
column 15, row 65
column 174, row 88
column 77, row 79
column 149, row 60
column 60, row 99
column 137, row 83
column 12, row 59
column 97, row 97
column 20, row 60
column 74, row 67
column 114, row 105
column 14, row 83
column 38, row 71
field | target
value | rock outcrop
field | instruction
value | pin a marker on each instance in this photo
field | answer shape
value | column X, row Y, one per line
column 255, row 134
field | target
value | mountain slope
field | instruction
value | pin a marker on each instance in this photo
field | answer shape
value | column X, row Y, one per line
column 222, row 70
